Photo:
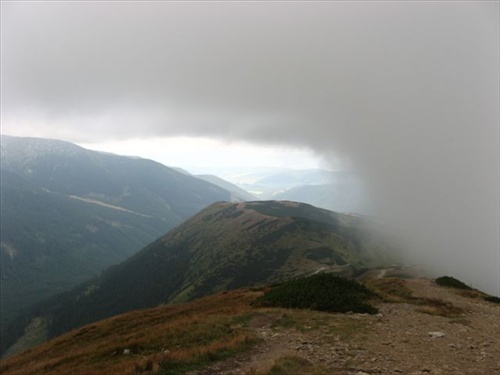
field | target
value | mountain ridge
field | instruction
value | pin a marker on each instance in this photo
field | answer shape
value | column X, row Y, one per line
column 223, row 247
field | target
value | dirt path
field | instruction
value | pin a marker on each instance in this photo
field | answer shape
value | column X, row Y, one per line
column 405, row 340
column 399, row 340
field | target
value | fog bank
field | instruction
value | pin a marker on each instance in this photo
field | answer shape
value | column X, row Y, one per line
column 405, row 93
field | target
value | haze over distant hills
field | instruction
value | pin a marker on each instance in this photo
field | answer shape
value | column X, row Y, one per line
column 340, row 191
column 68, row 213
column 239, row 193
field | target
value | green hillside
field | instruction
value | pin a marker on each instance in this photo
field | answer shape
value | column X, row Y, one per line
column 67, row 213
column 51, row 242
column 226, row 246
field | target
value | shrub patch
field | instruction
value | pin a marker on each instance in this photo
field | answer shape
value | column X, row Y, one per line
column 323, row 292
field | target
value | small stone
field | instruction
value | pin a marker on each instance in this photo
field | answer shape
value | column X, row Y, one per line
column 436, row 334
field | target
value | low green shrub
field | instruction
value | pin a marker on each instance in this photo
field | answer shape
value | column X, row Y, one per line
column 492, row 299
column 451, row 282
column 323, row 292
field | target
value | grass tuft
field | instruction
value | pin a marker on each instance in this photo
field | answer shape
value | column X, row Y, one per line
column 439, row 307
column 293, row 365
column 391, row 289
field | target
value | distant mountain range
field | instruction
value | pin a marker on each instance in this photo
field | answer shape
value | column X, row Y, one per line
column 67, row 213
column 340, row 191
column 225, row 246
column 239, row 194
column 340, row 196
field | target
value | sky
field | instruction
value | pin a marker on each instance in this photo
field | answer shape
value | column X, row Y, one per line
column 202, row 155
column 404, row 93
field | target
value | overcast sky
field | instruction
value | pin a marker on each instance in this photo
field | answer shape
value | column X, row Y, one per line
column 404, row 93
column 202, row 155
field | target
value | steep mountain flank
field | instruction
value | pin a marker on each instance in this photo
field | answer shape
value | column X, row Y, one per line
column 51, row 242
column 68, row 213
column 135, row 184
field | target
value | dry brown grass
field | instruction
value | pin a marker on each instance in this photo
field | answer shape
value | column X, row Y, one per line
column 294, row 365
column 439, row 307
column 158, row 339
column 475, row 294
column 175, row 339
column 396, row 290
column 390, row 289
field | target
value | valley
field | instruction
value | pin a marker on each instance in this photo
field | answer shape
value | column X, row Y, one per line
column 69, row 213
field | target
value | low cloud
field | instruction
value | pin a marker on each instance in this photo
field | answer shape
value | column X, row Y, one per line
column 407, row 93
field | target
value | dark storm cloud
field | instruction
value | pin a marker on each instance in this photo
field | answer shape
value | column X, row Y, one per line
column 407, row 92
